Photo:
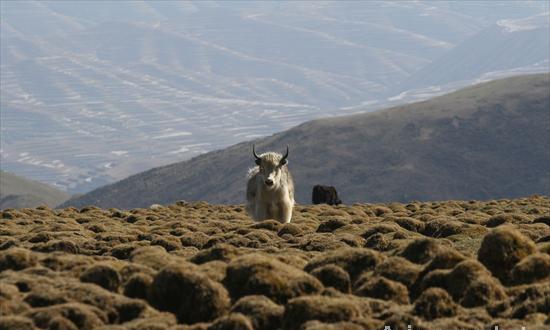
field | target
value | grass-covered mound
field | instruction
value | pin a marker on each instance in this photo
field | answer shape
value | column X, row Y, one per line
column 451, row 264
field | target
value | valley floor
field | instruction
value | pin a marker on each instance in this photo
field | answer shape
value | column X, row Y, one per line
column 431, row 265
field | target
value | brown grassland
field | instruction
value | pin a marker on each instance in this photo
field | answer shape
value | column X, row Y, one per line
column 431, row 265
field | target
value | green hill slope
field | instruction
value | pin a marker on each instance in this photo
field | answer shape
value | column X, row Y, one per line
column 18, row 192
column 486, row 141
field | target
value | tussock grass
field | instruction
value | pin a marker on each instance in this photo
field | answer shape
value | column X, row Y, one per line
column 466, row 264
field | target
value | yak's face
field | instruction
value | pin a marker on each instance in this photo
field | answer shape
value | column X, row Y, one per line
column 271, row 169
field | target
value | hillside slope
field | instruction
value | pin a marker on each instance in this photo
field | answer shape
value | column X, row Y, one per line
column 17, row 192
column 177, row 79
column 486, row 141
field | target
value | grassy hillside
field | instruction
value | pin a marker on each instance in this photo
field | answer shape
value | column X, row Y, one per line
column 17, row 192
column 486, row 141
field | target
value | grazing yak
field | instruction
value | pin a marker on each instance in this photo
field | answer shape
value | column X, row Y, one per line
column 270, row 190
column 325, row 195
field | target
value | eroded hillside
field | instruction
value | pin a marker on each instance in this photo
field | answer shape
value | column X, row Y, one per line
column 446, row 265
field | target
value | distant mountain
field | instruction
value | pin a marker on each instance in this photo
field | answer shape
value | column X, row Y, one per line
column 491, row 51
column 95, row 91
column 488, row 141
column 18, row 192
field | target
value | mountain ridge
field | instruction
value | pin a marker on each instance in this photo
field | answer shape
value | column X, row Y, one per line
column 18, row 192
column 91, row 94
column 477, row 143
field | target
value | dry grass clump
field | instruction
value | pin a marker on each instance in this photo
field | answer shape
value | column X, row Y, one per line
column 16, row 259
column 534, row 268
column 443, row 227
column 103, row 275
column 334, row 277
column 502, row 249
column 317, row 325
column 525, row 302
column 331, row 225
column 410, row 224
column 435, row 303
column 353, row 260
column 398, row 269
column 262, row 311
column 233, row 321
column 382, row 288
column 155, row 257
column 321, row 242
column 14, row 322
column 138, row 286
column 11, row 302
column 289, row 229
column 325, row 309
column 469, row 283
column 44, row 298
column 258, row 275
column 421, row 250
column 222, row 252
column 507, row 218
column 399, row 319
column 80, row 316
column 199, row 266
column 191, row 296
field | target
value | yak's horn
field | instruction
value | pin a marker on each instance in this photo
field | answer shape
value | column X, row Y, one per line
column 254, row 152
column 286, row 154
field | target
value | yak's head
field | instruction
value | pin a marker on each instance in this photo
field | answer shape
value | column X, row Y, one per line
column 271, row 167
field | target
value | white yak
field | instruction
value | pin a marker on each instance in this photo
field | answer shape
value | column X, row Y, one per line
column 270, row 189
